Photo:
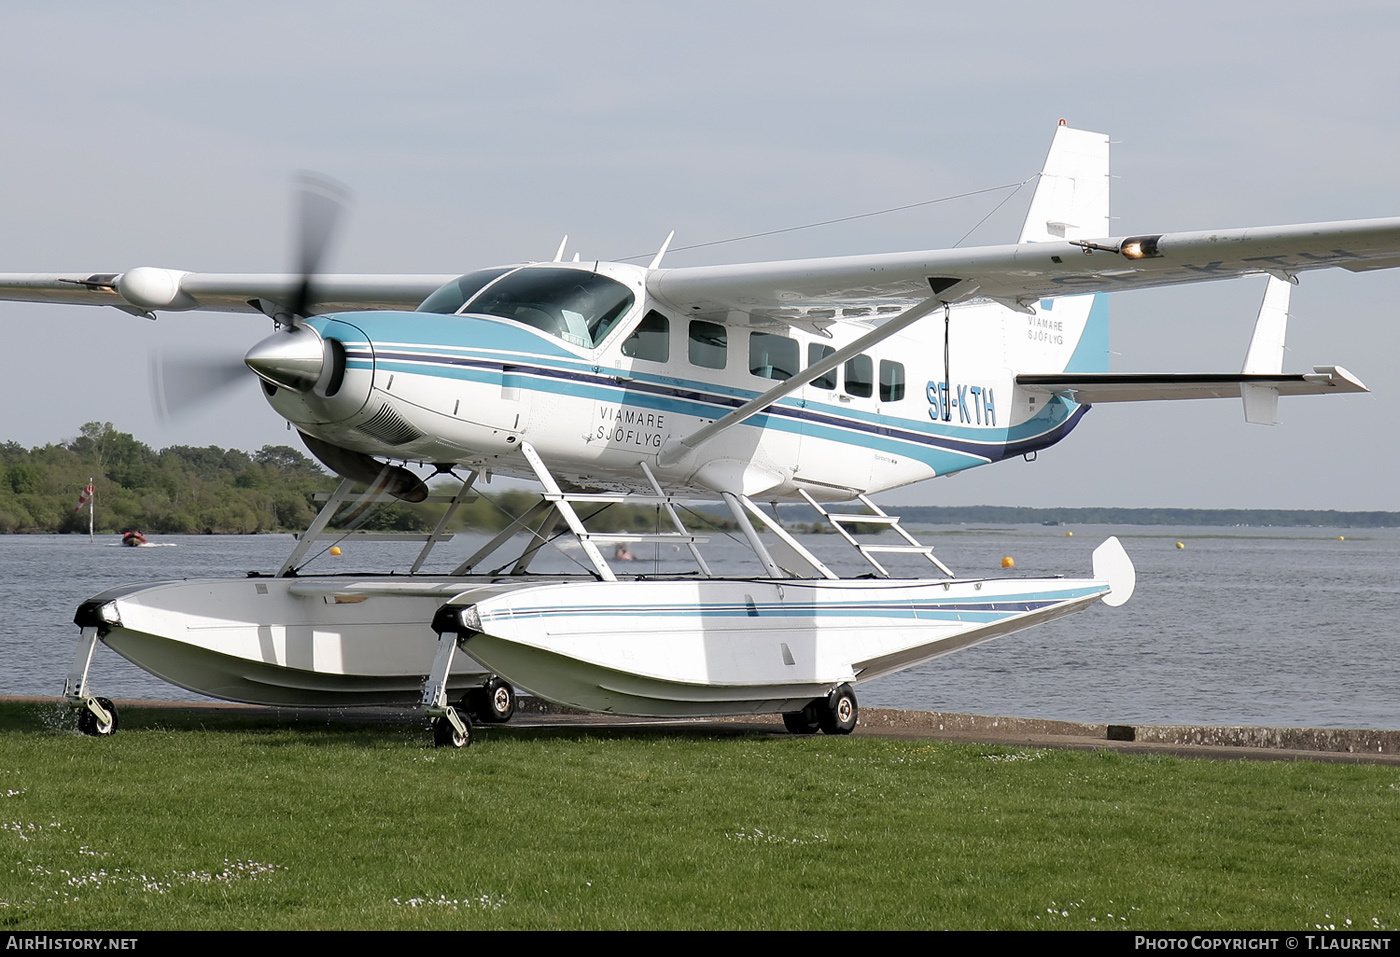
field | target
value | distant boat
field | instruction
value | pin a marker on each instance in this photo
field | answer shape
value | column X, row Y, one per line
column 138, row 540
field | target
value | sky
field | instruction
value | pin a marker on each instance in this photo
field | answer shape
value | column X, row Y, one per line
column 166, row 134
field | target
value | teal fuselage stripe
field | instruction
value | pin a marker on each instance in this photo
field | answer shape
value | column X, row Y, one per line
column 1091, row 352
column 553, row 371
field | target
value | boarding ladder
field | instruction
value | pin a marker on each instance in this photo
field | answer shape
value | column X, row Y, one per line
column 876, row 516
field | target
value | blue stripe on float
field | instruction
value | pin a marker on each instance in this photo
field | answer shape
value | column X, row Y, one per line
column 967, row 609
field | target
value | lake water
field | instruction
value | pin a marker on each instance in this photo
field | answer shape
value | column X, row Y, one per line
column 1277, row 626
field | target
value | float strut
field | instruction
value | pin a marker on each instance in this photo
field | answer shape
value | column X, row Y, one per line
column 75, row 688
column 434, row 702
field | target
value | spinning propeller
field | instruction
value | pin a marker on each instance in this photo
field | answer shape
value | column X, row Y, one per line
column 322, row 201
column 180, row 384
column 295, row 357
column 292, row 358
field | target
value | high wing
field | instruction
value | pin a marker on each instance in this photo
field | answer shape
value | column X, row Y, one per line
column 145, row 289
column 1019, row 275
column 1015, row 274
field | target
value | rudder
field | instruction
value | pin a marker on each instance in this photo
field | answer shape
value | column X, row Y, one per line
column 1071, row 201
column 1071, row 197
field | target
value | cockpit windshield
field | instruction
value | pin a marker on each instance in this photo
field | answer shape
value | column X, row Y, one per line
column 453, row 296
column 577, row 306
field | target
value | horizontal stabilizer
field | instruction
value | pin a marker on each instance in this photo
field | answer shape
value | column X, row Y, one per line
column 1089, row 388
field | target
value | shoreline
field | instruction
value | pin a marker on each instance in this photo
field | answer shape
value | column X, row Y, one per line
column 1337, row 745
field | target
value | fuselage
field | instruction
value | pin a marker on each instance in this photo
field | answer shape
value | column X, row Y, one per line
column 598, row 375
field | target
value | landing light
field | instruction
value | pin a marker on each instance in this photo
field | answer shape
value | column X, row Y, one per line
column 470, row 619
column 1140, row 247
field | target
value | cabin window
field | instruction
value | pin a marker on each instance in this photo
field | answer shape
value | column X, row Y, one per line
column 772, row 356
column 860, row 376
column 709, row 344
column 577, row 306
column 816, row 352
column 891, row 381
column 453, row 296
column 651, row 340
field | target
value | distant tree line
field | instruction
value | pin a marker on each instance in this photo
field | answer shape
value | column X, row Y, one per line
column 181, row 489
column 187, row 490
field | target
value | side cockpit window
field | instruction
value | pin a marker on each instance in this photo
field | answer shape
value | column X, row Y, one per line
column 651, row 340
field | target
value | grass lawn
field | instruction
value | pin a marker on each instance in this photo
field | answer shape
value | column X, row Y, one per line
column 237, row 824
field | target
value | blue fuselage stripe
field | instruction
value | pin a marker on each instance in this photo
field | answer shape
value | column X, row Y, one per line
column 686, row 398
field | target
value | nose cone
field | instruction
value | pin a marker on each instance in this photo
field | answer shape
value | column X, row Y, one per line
column 292, row 358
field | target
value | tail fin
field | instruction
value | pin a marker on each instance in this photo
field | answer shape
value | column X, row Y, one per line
column 1265, row 355
column 1071, row 198
column 1070, row 334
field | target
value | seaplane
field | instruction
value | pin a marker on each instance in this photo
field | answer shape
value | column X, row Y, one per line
column 817, row 381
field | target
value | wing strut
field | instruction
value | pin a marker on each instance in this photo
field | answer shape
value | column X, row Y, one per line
column 947, row 379
column 945, row 291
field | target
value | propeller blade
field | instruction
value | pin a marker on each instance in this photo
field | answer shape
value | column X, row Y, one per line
column 181, row 384
column 322, row 200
